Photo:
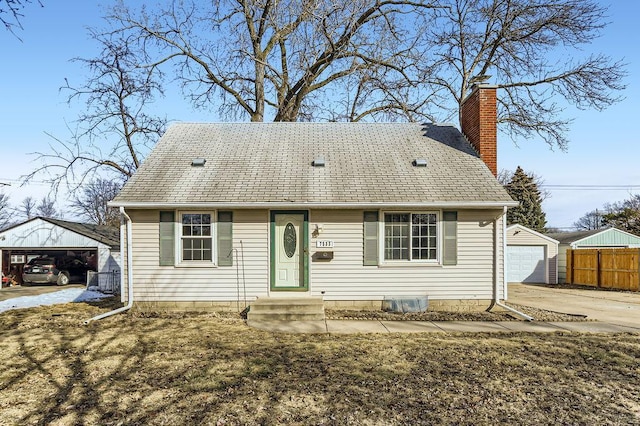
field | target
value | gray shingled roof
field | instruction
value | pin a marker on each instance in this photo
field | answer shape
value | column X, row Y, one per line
column 106, row 235
column 250, row 163
column 570, row 237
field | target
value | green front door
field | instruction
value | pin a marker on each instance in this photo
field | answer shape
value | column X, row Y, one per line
column 289, row 248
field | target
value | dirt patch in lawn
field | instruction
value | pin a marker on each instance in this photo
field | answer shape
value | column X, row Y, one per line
column 213, row 369
column 537, row 314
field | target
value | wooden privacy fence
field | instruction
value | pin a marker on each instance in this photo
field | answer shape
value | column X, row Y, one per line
column 605, row 268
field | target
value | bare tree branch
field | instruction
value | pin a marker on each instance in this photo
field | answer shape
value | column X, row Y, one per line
column 114, row 134
column 90, row 203
column 11, row 14
column 522, row 43
column 5, row 211
column 267, row 59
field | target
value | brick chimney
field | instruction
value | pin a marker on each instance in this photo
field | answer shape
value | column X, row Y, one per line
column 479, row 120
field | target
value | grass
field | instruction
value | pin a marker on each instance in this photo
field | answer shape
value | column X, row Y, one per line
column 210, row 369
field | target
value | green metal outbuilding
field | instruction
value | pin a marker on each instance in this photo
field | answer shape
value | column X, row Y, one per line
column 597, row 238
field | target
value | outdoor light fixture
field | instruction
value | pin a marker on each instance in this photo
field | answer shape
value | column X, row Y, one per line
column 420, row 162
column 198, row 162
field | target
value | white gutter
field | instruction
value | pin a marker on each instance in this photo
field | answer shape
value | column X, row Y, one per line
column 496, row 268
column 290, row 204
column 129, row 252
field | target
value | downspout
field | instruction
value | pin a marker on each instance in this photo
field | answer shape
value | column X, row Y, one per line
column 496, row 266
column 129, row 305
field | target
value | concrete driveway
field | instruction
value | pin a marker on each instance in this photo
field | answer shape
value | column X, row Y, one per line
column 35, row 290
column 608, row 306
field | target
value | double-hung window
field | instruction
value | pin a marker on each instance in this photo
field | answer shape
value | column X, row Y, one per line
column 196, row 239
column 411, row 236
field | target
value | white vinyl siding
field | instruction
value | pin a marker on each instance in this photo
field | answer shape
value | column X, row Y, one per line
column 345, row 277
column 210, row 283
column 342, row 278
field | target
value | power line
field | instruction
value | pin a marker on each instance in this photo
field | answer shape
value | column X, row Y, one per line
column 590, row 187
column 13, row 182
column 577, row 187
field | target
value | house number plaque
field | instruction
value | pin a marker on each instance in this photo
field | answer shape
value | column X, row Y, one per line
column 324, row 244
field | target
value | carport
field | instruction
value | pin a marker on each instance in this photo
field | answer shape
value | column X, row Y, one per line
column 531, row 256
column 98, row 246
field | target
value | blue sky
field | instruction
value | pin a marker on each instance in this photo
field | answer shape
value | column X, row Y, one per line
column 604, row 146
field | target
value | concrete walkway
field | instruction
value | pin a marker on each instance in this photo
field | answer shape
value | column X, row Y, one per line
column 377, row 326
column 606, row 312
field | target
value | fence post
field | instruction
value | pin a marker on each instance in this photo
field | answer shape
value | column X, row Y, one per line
column 598, row 269
column 569, row 271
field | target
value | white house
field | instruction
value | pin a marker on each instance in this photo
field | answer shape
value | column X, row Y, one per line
column 349, row 212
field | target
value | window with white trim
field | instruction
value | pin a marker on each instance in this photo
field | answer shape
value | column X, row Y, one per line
column 196, row 237
column 411, row 236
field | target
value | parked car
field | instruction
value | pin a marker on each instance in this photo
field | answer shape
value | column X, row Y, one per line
column 60, row 270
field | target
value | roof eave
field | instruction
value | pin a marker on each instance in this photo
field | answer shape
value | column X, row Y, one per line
column 289, row 205
column 536, row 233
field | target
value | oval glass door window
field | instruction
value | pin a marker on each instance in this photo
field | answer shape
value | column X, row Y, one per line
column 290, row 240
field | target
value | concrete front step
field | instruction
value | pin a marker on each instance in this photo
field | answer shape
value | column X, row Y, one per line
column 286, row 309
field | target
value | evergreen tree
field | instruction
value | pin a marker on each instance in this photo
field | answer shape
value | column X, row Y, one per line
column 524, row 189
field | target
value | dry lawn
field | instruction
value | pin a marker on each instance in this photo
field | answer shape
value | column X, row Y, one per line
column 205, row 369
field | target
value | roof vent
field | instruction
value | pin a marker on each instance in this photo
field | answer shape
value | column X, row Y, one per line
column 198, row 162
column 318, row 161
column 420, row 162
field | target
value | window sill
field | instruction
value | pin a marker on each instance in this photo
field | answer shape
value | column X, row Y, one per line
column 196, row 265
column 408, row 264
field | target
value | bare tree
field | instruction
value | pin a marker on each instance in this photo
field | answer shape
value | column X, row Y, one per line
column 282, row 59
column 592, row 220
column 28, row 208
column 296, row 60
column 114, row 134
column 11, row 13
column 46, row 208
column 623, row 215
column 5, row 213
column 301, row 60
column 536, row 52
column 91, row 202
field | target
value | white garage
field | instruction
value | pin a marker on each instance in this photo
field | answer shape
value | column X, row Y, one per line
column 531, row 256
column 98, row 247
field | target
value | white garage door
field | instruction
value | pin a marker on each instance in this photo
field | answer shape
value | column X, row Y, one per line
column 526, row 264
